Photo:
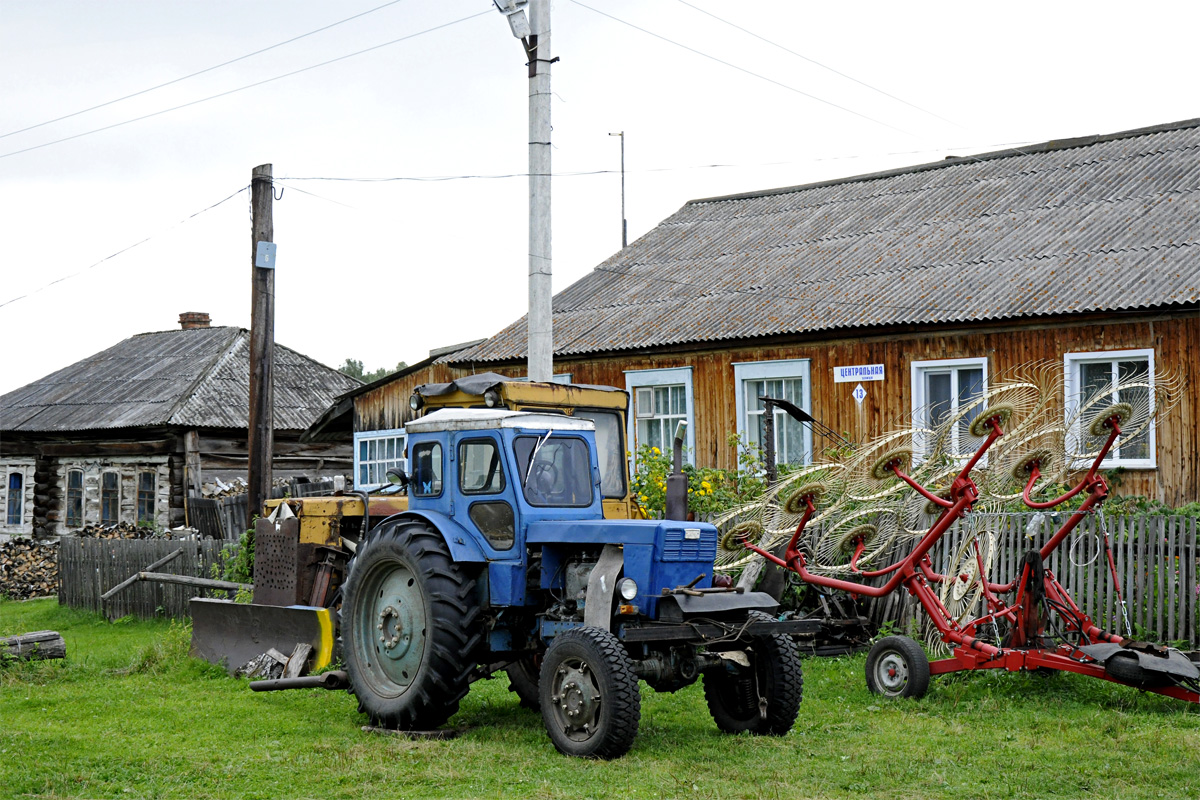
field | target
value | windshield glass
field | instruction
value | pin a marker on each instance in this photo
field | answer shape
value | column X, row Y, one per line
column 560, row 474
column 610, row 449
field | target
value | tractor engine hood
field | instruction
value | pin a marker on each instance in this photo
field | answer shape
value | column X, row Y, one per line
column 658, row 554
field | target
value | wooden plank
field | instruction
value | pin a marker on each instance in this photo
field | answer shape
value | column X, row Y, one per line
column 1161, row 570
column 1172, row 611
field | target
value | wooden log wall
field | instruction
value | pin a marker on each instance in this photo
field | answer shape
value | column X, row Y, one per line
column 1174, row 338
column 87, row 568
column 1157, row 560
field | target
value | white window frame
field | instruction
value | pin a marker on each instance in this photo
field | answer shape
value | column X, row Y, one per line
column 920, row 405
column 642, row 378
column 365, row 436
column 1071, row 363
column 792, row 368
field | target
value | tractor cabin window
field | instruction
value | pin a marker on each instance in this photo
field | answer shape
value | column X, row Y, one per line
column 75, row 498
column 427, row 470
column 944, row 401
column 110, row 498
column 560, row 473
column 1096, row 381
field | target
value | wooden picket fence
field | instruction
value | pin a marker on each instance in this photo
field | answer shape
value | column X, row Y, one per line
column 87, row 568
column 1156, row 559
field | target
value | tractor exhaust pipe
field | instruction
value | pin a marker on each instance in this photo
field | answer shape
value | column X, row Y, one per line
column 333, row 681
column 676, row 505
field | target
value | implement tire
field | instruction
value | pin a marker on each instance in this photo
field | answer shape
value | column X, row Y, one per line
column 410, row 627
column 897, row 667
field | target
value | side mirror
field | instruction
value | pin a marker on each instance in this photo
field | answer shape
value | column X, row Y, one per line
column 397, row 477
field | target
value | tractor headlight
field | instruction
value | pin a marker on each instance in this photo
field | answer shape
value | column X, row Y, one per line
column 628, row 588
column 491, row 398
column 415, row 402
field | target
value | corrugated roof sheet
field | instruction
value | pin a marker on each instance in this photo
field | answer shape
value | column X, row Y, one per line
column 198, row 378
column 1105, row 223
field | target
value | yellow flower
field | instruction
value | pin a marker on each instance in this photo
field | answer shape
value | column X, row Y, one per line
column 705, row 485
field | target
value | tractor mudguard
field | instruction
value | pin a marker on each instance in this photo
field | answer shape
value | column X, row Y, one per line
column 602, row 587
column 461, row 543
column 714, row 605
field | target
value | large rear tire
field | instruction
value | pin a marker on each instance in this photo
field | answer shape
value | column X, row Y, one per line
column 897, row 667
column 410, row 627
column 775, row 675
column 523, row 680
column 589, row 694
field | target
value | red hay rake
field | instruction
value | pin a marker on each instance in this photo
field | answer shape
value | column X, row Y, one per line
column 1030, row 623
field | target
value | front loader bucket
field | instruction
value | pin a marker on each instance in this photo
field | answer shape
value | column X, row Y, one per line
column 230, row 634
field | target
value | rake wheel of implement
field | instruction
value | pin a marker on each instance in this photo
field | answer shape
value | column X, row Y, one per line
column 963, row 587
column 861, row 483
column 1008, row 471
column 1102, row 422
column 881, row 470
column 979, row 426
column 1148, row 399
column 749, row 531
column 795, row 504
column 878, row 529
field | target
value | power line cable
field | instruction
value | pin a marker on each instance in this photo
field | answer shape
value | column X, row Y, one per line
column 819, row 64
column 583, row 173
column 199, row 72
column 743, row 69
column 123, row 249
column 248, row 86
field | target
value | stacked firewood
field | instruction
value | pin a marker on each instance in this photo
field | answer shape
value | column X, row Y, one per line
column 28, row 569
column 119, row 530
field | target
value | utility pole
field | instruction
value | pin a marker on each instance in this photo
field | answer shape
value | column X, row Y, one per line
column 624, row 224
column 534, row 33
column 262, row 338
column 541, row 322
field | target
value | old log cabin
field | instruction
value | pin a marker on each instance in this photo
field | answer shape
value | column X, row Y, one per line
column 918, row 285
column 128, row 434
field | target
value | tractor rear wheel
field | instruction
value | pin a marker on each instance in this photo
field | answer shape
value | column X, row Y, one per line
column 763, row 698
column 897, row 667
column 523, row 680
column 410, row 627
column 589, row 694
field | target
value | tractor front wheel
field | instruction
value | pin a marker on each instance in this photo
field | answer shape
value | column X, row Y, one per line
column 762, row 698
column 410, row 627
column 897, row 667
column 589, row 694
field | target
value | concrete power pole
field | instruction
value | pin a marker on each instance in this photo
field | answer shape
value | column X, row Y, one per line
column 541, row 323
column 262, row 339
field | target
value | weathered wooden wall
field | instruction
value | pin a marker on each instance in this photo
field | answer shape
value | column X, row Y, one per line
column 386, row 407
column 1175, row 339
column 87, row 568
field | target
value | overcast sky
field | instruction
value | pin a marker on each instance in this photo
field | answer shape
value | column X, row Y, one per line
column 385, row 271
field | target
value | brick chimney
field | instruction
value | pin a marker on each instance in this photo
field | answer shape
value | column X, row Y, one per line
column 193, row 319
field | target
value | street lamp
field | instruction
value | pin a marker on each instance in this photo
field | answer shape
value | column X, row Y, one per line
column 624, row 224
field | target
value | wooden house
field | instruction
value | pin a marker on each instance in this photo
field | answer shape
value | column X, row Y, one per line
column 130, row 433
column 872, row 298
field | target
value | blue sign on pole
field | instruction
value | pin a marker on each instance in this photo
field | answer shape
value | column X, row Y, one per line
column 264, row 255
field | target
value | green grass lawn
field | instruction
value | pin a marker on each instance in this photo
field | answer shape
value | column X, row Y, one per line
column 127, row 714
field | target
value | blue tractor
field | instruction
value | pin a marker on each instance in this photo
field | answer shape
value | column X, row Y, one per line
column 504, row 561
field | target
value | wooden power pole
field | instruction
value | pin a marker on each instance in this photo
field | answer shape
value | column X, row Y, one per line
column 262, row 339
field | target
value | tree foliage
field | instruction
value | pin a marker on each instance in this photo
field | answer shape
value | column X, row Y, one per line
column 354, row 368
